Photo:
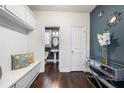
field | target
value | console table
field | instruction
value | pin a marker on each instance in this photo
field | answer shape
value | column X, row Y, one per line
column 112, row 74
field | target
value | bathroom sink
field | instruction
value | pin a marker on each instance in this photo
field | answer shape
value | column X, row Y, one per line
column 54, row 50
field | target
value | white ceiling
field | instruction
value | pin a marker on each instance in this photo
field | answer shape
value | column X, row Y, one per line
column 64, row 8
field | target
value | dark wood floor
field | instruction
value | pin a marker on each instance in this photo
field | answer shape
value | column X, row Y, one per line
column 52, row 78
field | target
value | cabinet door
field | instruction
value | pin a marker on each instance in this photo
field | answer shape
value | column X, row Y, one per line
column 30, row 19
column 17, row 10
column 26, row 80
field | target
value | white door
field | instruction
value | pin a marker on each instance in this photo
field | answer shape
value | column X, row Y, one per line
column 78, row 48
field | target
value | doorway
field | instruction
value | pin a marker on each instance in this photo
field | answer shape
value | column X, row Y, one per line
column 52, row 45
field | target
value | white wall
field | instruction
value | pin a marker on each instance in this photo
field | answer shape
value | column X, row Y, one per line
column 13, row 40
column 63, row 19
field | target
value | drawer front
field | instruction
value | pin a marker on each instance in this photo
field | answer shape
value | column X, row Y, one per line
column 23, row 82
column 27, row 79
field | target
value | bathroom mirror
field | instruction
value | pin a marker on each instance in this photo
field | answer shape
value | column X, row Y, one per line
column 114, row 19
column 55, row 41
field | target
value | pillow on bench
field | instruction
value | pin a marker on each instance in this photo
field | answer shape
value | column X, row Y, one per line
column 30, row 58
column 19, row 61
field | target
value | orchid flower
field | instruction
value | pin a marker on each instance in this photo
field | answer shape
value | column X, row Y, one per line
column 104, row 38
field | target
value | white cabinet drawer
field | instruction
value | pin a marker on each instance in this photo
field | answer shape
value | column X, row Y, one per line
column 27, row 79
column 23, row 82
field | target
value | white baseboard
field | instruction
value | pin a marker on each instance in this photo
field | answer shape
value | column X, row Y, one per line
column 64, row 69
column 77, row 68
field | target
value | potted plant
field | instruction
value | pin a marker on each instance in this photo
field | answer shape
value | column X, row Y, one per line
column 104, row 41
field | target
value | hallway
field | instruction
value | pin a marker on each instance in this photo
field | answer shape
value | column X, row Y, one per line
column 52, row 78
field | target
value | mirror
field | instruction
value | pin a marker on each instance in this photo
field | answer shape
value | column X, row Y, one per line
column 55, row 41
column 114, row 19
column 100, row 13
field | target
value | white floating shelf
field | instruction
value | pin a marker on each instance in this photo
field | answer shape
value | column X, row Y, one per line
column 17, row 21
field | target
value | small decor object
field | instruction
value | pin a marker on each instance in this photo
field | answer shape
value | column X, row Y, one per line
column 114, row 19
column 104, row 41
column 100, row 13
column 0, row 72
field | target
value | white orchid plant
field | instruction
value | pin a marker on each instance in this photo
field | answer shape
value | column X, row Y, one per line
column 104, row 38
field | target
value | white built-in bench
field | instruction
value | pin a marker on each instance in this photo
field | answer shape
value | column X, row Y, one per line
column 20, row 78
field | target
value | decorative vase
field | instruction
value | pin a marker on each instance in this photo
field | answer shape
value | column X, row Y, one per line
column 0, row 72
column 104, row 55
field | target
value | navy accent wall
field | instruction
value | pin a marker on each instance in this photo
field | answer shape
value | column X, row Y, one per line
column 116, row 49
